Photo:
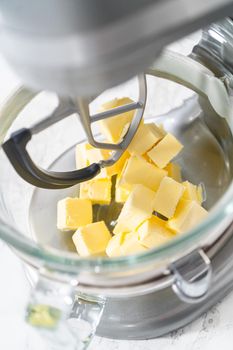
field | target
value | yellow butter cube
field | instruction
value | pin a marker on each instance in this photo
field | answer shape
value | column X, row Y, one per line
column 114, row 245
column 81, row 155
column 109, row 104
column 145, row 138
column 73, row 213
column 124, row 244
column 115, row 128
column 92, row 239
column 94, row 155
column 138, row 171
column 87, row 154
column 137, row 208
column 166, row 149
column 121, row 193
column 161, row 128
column 201, row 193
column 192, row 192
column 153, row 232
column 174, row 171
column 147, row 158
column 116, row 168
column 131, row 245
column 188, row 214
column 168, row 196
column 98, row 191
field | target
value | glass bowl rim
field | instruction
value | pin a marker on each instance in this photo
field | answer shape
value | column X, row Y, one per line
column 51, row 257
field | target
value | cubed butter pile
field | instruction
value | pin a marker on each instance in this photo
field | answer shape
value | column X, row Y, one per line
column 156, row 204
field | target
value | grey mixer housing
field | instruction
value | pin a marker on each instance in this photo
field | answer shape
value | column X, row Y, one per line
column 82, row 47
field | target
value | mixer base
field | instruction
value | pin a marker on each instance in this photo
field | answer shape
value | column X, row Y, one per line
column 156, row 314
column 153, row 315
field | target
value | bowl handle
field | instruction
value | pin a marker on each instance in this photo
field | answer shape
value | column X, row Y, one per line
column 64, row 319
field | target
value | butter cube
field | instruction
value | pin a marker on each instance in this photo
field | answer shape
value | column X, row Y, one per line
column 110, row 104
column 114, row 245
column 137, row 208
column 115, row 128
column 162, row 153
column 124, row 244
column 188, row 214
column 145, row 138
column 73, row 213
column 201, row 194
column 174, row 171
column 81, row 155
column 98, row 191
column 91, row 239
column 168, row 196
column 86, row 154
column 138, row 171
column 192, row 192
column 94, row 155
column 153, row 232
column 147, row 158
column 131, row 245
column 116, row 168
column 121, row 193
column 161, row 128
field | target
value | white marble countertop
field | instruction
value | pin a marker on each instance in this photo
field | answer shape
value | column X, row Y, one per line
column 212, row 331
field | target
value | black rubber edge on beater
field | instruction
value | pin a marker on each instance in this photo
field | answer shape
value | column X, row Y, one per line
column 15, row 149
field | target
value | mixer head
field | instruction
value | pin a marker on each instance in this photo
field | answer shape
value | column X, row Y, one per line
column 83, row 47
column 78, row 50
column 181, row 69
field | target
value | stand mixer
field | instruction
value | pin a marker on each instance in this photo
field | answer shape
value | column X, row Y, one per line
column 79, row 49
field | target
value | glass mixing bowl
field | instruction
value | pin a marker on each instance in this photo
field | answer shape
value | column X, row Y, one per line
column 76, row 288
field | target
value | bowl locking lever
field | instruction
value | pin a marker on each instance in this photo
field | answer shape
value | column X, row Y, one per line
column 192, row 277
